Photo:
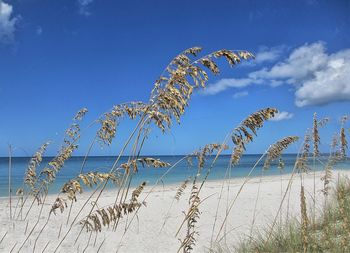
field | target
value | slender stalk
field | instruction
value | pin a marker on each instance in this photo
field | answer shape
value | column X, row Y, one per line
column 151, row 190
column 239, row 191
column 256, row 204
column 14, row 246
column 102, row 189
column 70, row 210
column 127, row 174
column 59, row 232
column 9, row 180
column 206, row 176
column 280, row 206
column 87, row 244
column 3, row 237
column 87, row 154
column 99, row 248
column 281, row 192
column 35, row 225
column 25, row 231
column 40, row 232
column 218, row 205
column 47, row 244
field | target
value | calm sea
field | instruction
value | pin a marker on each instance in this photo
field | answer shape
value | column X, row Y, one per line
column 150, row 175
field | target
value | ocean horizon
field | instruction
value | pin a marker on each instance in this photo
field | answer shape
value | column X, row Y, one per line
column 148, row 174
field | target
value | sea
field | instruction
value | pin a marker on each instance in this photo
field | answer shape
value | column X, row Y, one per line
column 150, row 175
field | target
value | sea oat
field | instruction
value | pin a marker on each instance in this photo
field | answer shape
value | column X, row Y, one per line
column 172, row 91
column 181, row 189
column 48, row 173
column 276, row 149
column 315, row 136
column 332, row 160
column 242, row 136
column 192, row 217
column 304, row 220
column 105, row 216
column 89, row 179
column 60, row 203
column 302, row 161
column 343, row 141
column 110, row 120
column 30, row 175
column 145, row 161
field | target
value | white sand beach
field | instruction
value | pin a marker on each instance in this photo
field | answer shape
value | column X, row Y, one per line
column 144, row 233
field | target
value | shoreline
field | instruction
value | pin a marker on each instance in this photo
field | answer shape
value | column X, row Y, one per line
column 233, row 180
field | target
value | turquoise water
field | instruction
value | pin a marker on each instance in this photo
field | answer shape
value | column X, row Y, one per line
column 150, row 175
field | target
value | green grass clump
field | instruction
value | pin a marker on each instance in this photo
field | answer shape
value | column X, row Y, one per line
column 329, row 233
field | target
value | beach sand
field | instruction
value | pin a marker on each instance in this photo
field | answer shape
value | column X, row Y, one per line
column 144, row 233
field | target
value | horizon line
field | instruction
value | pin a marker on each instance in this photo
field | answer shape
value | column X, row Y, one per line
column 79, row 156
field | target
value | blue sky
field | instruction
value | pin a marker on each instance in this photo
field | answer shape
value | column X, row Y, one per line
column 59, row 56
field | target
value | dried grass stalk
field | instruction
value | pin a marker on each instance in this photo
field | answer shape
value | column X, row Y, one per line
column 181, row 189
column 276, row 149
column 302, row 161
column 60, row 203
column 327, row 179
column 315, row 136
column 243, row 134
column 304, row 220
column 110, row 120
column 332, row 160
column 106, row 216
column 315, row 133
column 188, row 243
column 30, row 176
column 89, row 179
column 173, row 90
column 193, row 213
column 202, row 154
column 48, row 174
column 145, row 161
column 343, row 141
column 80, row 114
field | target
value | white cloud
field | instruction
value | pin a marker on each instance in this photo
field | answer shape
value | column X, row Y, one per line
column 316, row 76
column 224, row 84
column 84, row 7
column 300, row 64
column 268, row 55
column 282, row 116
column 240, row 94
column 330, row 83
column 7, row 23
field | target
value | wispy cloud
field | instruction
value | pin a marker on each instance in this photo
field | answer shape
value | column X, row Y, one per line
column 316, row 76
column 7, row 23
column 240, row 94
column 84, row 7
column 268, row 54
column 39, row 30
column 282, row 116
column 224, row 84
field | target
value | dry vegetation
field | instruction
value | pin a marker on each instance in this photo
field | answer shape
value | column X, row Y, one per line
column 168, row 101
